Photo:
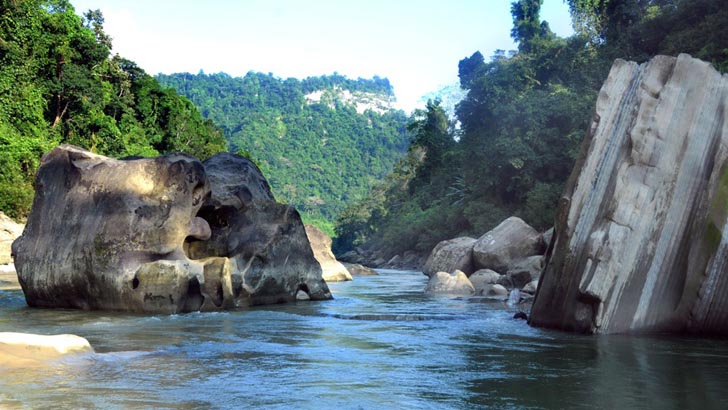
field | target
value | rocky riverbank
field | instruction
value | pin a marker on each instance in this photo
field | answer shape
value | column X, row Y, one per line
column 504, row 263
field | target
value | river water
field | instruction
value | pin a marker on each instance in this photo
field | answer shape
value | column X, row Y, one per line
column 380, row 344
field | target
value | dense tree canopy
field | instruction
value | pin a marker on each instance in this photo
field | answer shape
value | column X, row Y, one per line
column 521, row 122
column 59, row 84
column 318, row 151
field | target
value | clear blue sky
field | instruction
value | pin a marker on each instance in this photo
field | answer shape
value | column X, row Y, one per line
column 416, row 44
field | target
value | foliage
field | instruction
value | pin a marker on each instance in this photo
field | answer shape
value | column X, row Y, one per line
column 639, row 29
column 58, row 84
column 318, row 152
column 521, row 123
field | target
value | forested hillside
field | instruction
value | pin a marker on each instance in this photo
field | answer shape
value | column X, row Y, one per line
column 60, row 84
column 322, row 142
column 522, row 122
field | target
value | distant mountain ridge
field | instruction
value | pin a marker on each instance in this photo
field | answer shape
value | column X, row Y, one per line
column 321, row 141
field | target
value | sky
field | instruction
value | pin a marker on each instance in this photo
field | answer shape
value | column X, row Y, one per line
column 415, row 44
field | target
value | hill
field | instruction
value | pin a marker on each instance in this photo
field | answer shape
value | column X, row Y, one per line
column 521, row 123
column 322, row 142
column 59, row 83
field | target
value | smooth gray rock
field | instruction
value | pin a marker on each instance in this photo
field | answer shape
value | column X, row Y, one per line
column 333, row 270
column 456, row 283
column 640, row 238
column 451, row 255
column 508, row 242
column 133, row 235
column 483, row 278
column 497, row 291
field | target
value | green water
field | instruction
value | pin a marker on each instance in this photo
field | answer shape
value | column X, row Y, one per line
column 381, row 344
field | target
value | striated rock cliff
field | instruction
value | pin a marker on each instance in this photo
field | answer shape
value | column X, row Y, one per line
column 161, row 235
column 641, row 242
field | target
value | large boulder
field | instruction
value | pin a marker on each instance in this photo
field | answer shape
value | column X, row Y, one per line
column 451, row 255
column 24, row 349
column 333, row 270
column 511, row 240
column 269, row 253
column 456, row 284
column 127, row 234
column 641, row 240
column 9, row 231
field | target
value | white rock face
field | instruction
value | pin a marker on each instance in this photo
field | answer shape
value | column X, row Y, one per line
column 24, row 349
column 640, row 240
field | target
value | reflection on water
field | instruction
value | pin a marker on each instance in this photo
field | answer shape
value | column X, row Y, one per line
column 381, row 343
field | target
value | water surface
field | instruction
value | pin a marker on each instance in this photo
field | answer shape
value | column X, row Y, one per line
column 380, row 344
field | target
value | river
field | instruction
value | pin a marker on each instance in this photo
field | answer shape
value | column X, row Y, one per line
column 380, row 344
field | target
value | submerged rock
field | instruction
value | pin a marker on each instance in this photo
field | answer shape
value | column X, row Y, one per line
column 163, row 234
column 24, row 349
column 641, row 242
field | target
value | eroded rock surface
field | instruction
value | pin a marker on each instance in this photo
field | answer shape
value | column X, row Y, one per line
column 151, row 235
column 641, row 242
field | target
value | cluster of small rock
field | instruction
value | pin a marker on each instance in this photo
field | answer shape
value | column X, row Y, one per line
column 509, row 257
column 409, row 260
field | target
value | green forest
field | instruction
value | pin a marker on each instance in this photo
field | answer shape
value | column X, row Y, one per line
column 60, row 84
column 521, row 123
column 318, row 154
column 390, row 182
